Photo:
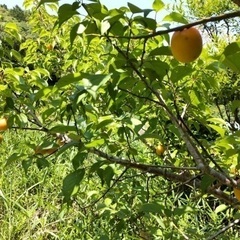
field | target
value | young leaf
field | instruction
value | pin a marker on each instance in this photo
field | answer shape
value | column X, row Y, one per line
column 95, row 143
column 158, row 5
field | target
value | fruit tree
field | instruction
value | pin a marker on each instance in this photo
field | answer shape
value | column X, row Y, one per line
column 137, row 106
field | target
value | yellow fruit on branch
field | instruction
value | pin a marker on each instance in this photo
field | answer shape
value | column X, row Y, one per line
column 160, row 150
column 237, row 193
column 186, row 45
column 3, row 124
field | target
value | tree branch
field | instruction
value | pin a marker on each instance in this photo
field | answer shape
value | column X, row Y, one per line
column 179, row 178
column 235, row 222
column 202, row 21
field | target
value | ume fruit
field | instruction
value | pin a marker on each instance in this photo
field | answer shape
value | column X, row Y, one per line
column 186, row 45
column 237, row 193
column 3, row 124
column 160, row 150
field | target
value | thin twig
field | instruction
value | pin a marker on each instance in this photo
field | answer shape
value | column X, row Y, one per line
column 224, row 229
column 106, row 192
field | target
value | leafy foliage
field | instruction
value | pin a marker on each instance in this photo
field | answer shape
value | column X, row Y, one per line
column 88, row 97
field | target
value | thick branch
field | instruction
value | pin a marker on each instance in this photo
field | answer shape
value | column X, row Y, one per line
column 157, row 171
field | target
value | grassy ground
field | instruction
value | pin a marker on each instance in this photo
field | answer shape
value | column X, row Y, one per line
column 30, row 204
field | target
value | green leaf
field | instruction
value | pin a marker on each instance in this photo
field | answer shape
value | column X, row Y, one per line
column 157, row 5
column 147, row 23
column 206, row 182
column 66, row 11
column 232, row 48
column 13, row 158
column 12, row 26
column 181, row 210
column 158, row 67
column 161, row 51
column 74, row 32
column 150, row 135
column 68, row 79
column 235, row 104
column 16, row 55
column 220, row 208
column 175, row 17
column 62, row 129
column 218, row 129
column 108, row 174
column 71, row 184
column 42, row 163
column 216, row 120
column 179, row 72
column 9, row 103
column 152, row 208
column 232, row 56
column 105, row 25
column 95, row 143
column 133, row 8
column 194, row 98
column 78, row 159
column 97, row 80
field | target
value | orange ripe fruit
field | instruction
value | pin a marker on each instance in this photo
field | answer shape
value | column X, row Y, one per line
column 237, row 193
column 160, row 150
column 186, row 45
column 3, row 124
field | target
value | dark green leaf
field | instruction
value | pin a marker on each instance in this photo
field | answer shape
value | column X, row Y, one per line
column 108, row 175
column 206, row 182
column 42, row 163
column 152, row 208
column 62, row 129
column 66, row 11
column 71, row 184
column 161, row 51
column 179, row 72
column 133, row 8
column 78, row 159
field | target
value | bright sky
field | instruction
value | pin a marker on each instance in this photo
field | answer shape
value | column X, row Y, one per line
column 109, row 3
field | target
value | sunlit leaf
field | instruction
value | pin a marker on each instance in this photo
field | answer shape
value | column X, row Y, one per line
column 158, row 5
column 175, row 17
column 95, row 143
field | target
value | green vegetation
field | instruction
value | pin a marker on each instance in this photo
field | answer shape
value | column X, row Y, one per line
column 108, row 136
